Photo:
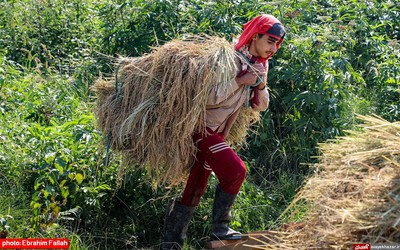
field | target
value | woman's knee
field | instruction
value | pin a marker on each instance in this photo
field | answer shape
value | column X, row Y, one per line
column 233, row 180
column 240, row 172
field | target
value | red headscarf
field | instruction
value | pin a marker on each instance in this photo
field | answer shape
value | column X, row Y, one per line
column 261, row 25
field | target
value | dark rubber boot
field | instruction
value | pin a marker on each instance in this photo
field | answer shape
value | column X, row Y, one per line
column 176, row 224
column 221, row 216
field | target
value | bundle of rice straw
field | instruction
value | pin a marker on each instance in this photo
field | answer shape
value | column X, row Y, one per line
column 155, row 102
column 354, row 196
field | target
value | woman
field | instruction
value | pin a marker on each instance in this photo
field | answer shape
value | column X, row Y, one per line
column 260, row 39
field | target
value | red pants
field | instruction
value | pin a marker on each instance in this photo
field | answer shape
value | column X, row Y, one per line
column 213, row 154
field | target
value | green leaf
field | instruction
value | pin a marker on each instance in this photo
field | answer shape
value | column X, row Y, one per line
column 71, row 176
column 62, row 183
column 65, row 192
column 60, row 165
column 79, row 178
column 102, row 187
column 38, row 183
column 37, row 205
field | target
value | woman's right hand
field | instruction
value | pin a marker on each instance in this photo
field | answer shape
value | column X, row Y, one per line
column 251, row 77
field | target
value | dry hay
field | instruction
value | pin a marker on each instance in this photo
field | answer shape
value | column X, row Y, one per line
column 354, row 196
column 150, row 109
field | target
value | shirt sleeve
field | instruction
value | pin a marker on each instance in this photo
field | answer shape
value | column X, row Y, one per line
column 220, row 93
column 263, row 97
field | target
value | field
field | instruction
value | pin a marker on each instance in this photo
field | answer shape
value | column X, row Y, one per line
column 340, row 59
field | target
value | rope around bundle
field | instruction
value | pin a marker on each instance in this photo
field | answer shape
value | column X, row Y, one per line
column 149, row 110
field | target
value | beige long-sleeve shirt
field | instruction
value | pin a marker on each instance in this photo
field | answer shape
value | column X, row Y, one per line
column 223, row 105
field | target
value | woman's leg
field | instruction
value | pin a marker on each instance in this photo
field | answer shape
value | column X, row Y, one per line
column 197, row 182
column 231, row 172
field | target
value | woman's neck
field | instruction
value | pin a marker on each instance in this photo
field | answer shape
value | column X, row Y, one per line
column 253, row 50
column 245, row 50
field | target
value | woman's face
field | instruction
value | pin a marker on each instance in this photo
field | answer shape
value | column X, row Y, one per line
column 263, row 45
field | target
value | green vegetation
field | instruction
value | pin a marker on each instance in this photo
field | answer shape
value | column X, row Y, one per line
column 340, row 58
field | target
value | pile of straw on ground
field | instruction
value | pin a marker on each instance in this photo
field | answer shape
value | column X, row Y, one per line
column 354, row 196
column 152, row 106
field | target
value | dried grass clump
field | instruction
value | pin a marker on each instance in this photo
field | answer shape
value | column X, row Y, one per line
column 242, row 126
column 354, row 196
column 149, row 111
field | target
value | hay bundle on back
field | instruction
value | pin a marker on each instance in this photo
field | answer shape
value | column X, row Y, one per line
column 151, row 108
column 355, row 195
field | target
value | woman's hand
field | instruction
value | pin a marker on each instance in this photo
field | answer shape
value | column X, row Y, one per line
column 261, row 86
column 251, row 77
